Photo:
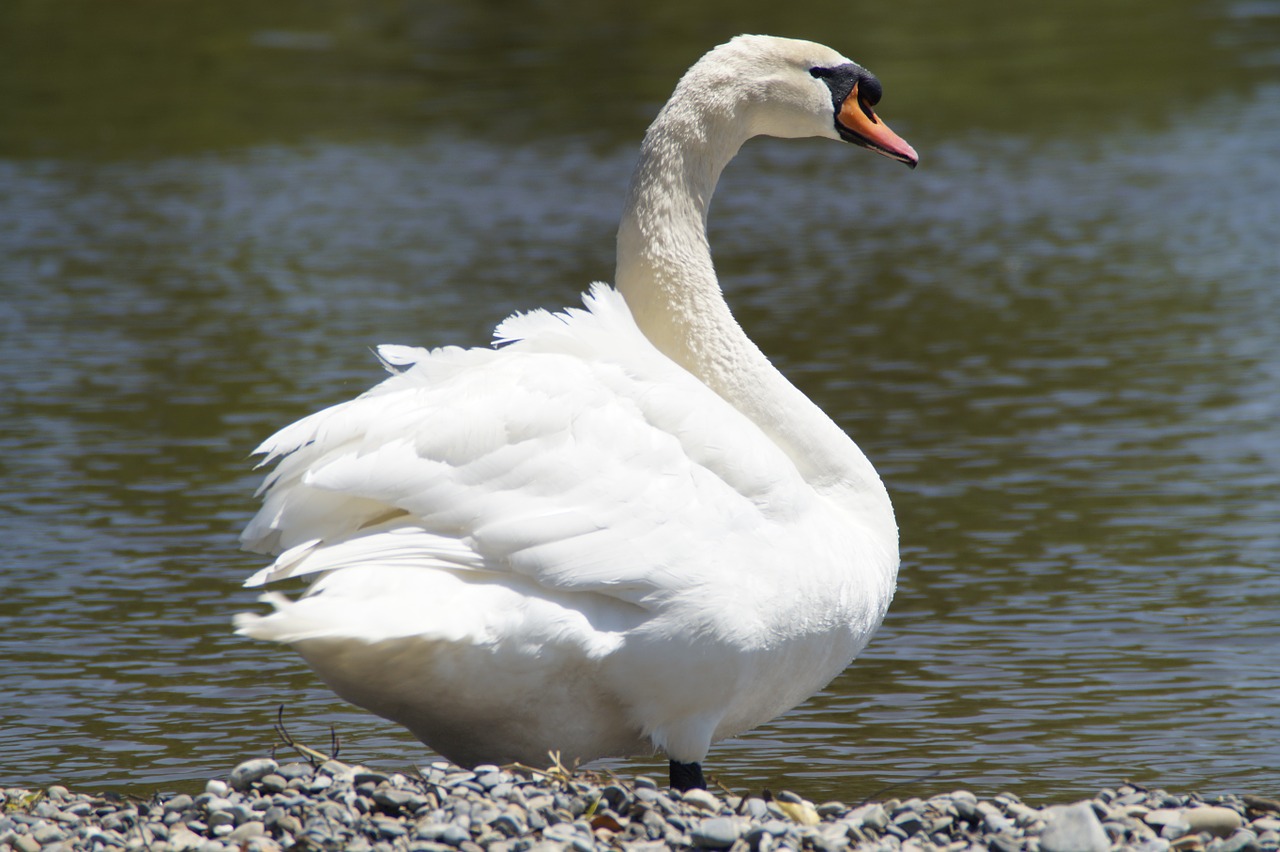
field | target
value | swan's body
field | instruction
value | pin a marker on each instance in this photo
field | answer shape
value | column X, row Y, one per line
column 621, row 530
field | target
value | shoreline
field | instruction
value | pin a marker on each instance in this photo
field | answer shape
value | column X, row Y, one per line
column 265, row 805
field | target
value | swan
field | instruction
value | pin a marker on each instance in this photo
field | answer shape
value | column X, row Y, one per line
column 618, row 530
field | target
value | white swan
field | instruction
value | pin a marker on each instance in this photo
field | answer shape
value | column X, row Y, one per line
column 620, row 530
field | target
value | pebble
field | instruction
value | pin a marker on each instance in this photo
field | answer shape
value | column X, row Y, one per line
column 266, row 806
column 715, row 833
column 243, row 776
column 1073, row 828
column 1218, row 821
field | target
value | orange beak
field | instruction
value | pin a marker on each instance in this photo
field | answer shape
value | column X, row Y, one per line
column 859, row 125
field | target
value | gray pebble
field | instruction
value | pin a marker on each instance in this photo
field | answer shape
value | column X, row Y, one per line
column 489, row 780
column 179, row 804
column 243, row 776
column 1238, row 842
column 290, row 771
column 1073, row 828
column 715, row 833
column 273, row 782
column 389, row 827
column 396, row 800
column 348, row 807
column 1218, row 821
column 508, row 825
column 702, row 799
column 454, row 835
column 910, row 822
column 875, row 818
column 247, row 831
column 217, row 803
column 564, row 832
column 755, row 808
column 46, row 834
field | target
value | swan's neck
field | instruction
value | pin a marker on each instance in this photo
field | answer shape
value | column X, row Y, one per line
column 666, row 275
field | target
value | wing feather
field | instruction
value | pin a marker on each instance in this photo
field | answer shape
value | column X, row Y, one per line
column 576, row 455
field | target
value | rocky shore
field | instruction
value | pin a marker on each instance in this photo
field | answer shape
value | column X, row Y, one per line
column 265, row 806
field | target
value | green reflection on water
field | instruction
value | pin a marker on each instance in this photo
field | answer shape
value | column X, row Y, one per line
column 148, row 77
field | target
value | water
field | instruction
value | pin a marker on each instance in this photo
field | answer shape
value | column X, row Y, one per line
column 1058, row 339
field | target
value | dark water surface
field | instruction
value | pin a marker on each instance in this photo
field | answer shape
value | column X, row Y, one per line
column 1058, row 339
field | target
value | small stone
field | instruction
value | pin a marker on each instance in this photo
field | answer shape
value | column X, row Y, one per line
column 183, row 839
column 242, row 812
column 454, row 835
column 615, row 797
column 910, row 822
column 715, row 833
column 25, row 843
column 1155, row 844
column 79, row 809
column 290, row 771
column 875, row 818
column 391, row 799
column 243, row 776
column 1238, row 842
column 1024, row 816
column 995, row 822
column 647, row 794
column 273, row 783
column 561, row 831
column 1218, row 821
column 217, row 803
column 489, row 780
column 216, row 787
column 388, row 827
column 248, row 831
column 508, row 825
column 702, row 800
column 1004, row 843
column 1073, row 828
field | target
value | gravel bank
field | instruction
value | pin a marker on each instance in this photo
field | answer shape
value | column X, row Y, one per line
column 265, row 806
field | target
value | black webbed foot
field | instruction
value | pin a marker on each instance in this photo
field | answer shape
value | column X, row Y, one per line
column 687, row 776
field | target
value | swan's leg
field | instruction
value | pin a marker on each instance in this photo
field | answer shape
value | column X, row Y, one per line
column 687, row 776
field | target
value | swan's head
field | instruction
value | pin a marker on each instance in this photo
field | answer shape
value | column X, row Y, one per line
column 791, row 88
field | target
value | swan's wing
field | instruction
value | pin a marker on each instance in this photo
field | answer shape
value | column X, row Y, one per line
column 576, row 455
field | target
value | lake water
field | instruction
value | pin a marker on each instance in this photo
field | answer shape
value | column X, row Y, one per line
column 1058, row 339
